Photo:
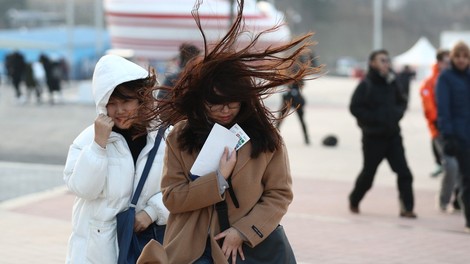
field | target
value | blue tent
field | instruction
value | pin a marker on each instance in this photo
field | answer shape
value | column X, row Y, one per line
column 81, row 54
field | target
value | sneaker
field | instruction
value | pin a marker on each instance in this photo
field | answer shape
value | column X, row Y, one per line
column 437, row 172
column 408, row 214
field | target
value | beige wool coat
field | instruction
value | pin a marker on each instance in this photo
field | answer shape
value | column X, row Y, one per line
column 263, row 187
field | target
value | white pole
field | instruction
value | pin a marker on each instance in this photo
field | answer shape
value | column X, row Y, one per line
column 377, row 39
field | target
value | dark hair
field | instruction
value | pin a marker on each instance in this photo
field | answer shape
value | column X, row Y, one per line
column 375, row 53
column 441, row 54
column 228, row 73
column 140, row 89
column 187, row 52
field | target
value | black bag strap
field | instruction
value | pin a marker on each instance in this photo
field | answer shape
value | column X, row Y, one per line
column 222, row 213
column 222, row 208
column 148, row 166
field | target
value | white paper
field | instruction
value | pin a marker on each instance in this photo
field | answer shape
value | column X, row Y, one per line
column 208, row 159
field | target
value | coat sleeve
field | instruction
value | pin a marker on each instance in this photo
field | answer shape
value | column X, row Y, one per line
column 359, row 105
column 429, row 103
column 156, row 209
column 273, row 204
column 86, row 168
column 180, row 194
column 444, row 118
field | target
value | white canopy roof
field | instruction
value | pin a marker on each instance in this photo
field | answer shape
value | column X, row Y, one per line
column 421, row 54
column 420, row 57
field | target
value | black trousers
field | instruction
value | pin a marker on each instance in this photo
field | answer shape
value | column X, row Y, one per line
column 463, row 158
column 375, row 149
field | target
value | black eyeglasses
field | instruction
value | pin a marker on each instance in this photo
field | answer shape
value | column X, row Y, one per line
column 219, row 107
column 384, row 60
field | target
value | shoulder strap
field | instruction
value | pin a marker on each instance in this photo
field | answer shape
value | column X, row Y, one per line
column 147, row 167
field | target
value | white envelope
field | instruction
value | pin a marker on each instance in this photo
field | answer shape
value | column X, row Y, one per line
column 208, row 159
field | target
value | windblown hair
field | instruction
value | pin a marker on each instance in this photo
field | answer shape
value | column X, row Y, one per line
column 227, row 73
column 140, row 89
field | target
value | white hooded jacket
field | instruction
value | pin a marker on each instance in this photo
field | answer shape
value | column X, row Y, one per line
column 104, row 179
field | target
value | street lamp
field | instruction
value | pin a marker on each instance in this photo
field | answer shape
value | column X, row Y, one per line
column 377, row 35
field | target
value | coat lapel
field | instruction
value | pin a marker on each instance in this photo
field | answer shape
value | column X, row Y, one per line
column 243, row 156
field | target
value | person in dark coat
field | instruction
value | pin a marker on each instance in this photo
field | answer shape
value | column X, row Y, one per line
column 293, row 97
column 404, row 78
column 378, row 105
column 15, row 68
column 53, row 75
column 187, row 51
column 453, row 117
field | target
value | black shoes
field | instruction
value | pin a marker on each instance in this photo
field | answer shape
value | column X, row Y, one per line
column 354, row 209
column 408, row 214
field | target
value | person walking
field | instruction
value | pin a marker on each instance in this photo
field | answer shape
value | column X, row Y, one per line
column 105, row 162
column 453, row 117
column 293, row 98
column 448, row 163
column 378, row 106
column 16, row 68
column 187, row 52
column 254, row 183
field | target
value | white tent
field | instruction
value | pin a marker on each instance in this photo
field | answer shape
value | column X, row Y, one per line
column 420, row 57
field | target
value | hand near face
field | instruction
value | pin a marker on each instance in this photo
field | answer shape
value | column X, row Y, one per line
column 227, row 162
column 103, row 126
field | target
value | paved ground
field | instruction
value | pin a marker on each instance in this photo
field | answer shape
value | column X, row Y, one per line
column 35, row 208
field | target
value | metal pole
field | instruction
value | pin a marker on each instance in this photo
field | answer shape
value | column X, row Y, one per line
column 377, row 39
column 70, row 6
column 99, row 28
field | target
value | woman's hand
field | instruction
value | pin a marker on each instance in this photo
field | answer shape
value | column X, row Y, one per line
column 142, row 221
column 103, row 126
column 227, row 163
column 232, row 244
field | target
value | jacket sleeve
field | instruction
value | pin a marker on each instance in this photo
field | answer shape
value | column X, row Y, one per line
column 444, row 118
column 156, row 209
column 359, row 105
column 86, row 169
column 180, row 194
column 429, row 103
column 273, row 204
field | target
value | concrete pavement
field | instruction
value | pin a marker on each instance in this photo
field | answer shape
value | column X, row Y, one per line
column 35, row 226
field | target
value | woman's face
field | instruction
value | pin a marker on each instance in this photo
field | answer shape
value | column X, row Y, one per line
column 461, row 61
column 223, row 114
column 122, row 111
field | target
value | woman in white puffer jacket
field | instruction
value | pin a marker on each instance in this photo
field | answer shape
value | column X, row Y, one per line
column 105, row 163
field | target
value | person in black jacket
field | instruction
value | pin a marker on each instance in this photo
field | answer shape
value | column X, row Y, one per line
column 187, row 52
column 378, row 105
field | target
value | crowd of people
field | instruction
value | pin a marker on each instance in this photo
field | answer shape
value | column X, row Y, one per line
column 36, row 77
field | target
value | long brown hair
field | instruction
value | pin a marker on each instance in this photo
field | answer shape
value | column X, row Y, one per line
column 227, row 73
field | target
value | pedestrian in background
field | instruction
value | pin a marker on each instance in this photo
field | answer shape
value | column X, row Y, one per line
column 404, row 78
column 187, row 51
column 32, row 84
column 378, row 106
column 105, row 163
column 453, row 111
column 448, row 163
column 293, row 98
column 54, row 76
column 16, row 64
